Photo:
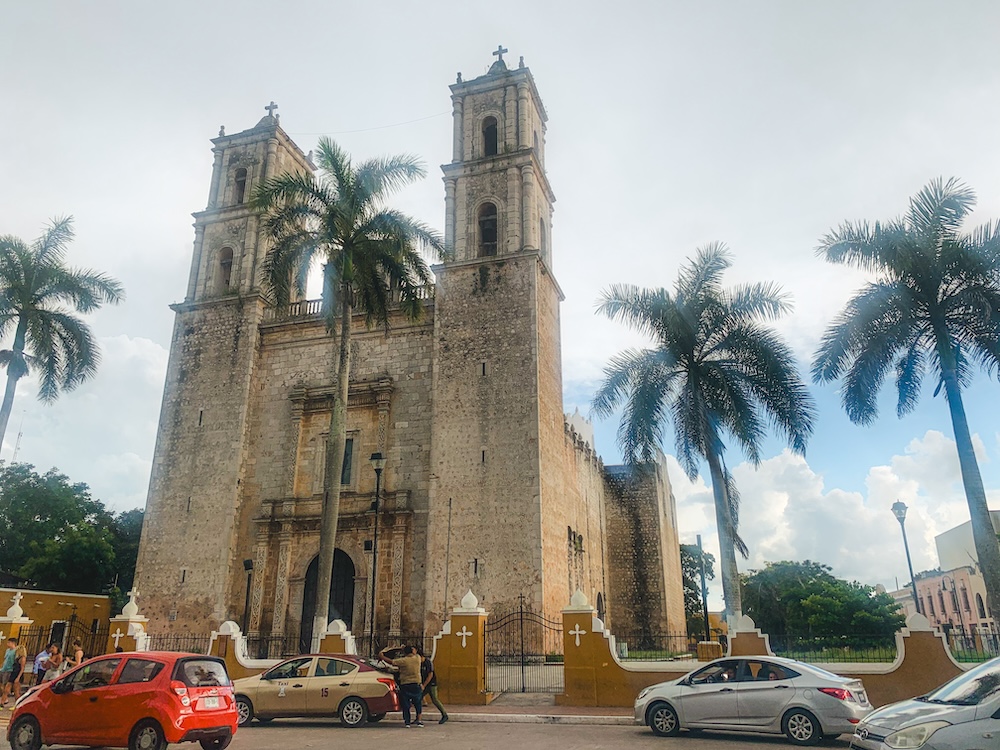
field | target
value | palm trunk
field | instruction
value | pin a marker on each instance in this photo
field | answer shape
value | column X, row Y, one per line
column 727, row 550
column 331, row 482
column 15, row 371
column 987, row 544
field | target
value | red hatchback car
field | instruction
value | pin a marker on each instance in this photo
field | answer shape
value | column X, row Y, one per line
column 140, row 701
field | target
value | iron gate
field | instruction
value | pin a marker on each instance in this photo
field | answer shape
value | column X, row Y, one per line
column 524, row 651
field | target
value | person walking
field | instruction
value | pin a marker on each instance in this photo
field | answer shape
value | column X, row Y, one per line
column 20, row 662
column 409, row 681
column 429, row 684
column 75, row 656
column 7, row 669
column 39, row 664
column 53, row 665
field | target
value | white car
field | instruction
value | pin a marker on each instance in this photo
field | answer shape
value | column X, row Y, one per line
column 962, row 714
column 756, row 694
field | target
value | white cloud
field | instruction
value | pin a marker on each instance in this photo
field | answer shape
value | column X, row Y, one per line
column 789, row 514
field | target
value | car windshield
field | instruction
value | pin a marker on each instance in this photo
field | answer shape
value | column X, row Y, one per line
column 201, row 673
column 971, row 688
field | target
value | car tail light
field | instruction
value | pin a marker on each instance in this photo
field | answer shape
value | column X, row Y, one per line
column 388, row 681
column 181, row 690
column 839, row 694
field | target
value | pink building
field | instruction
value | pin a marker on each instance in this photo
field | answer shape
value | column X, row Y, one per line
column 956, row 597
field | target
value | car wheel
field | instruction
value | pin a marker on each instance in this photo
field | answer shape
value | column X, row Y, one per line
column 662, row 719
column 801, row 727
column 375, row 717
column 219, row 743
column 244, row 711
column 147, row 735
column 353, row 712
column 26, row 734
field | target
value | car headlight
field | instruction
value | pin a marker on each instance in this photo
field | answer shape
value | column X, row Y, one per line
column 914, row 736
column 644, row 692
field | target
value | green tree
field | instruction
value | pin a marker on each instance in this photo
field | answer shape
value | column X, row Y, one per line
column 805, row 598
column 934, row 305
column 370, row 257
column 58, row 537
column 691, row 557
column 39, row 295
column 715, row 371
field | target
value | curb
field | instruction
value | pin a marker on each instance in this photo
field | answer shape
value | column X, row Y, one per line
column 542, row 719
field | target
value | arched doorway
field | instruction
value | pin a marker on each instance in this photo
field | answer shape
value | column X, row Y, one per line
column 341, row 596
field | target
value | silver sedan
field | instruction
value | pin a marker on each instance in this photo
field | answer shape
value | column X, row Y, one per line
column 756, row 694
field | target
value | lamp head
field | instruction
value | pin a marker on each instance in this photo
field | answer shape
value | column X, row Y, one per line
column 378, row 462
column 899, row 510
column 248, row 565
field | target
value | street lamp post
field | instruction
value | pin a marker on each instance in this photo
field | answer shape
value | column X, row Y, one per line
column 378, row 463
column 248, row 567
column 899, row 511
column 704, row 587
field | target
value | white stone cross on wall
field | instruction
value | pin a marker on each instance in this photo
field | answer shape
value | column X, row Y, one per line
column 117, row 636
column 464, row 633
column 578, row 631
column 500, row 52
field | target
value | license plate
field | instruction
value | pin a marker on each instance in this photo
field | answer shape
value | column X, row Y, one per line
column 212, row 702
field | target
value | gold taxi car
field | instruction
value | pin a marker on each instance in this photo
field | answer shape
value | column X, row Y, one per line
column 352, row 688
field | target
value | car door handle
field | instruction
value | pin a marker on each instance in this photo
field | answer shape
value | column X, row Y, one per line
column 93, row 699
column 781, row 687
column 726, row 690
column 297, row 684
column 345, row 684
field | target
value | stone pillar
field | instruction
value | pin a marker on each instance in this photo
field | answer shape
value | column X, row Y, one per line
column 449, row 214
column 457, row 148
column 523, row 130
column 14, row 620
column 128, row 630
column 396, row 602
column 528, row 221
column 259, row 566
column 199, row 243
column 460, row 655
column 213, row 190
column 284, row 565
column 513, row 232
column 580, row 653
column 271, row 163
column 510, row 119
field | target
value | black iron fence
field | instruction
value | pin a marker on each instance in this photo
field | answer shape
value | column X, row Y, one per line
column 974, row 643
column 191, row 643
column 654, row 647
column 835, row 649
column 264, row 646
column 524, row 651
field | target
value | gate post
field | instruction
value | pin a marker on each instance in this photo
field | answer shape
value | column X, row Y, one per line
column 11, row 624
column 128, row 630
column 460, row 655
column 583, row 651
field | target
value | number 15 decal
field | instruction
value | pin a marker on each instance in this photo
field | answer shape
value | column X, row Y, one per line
column 324, row 692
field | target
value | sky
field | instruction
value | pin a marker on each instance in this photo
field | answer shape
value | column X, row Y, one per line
column 672, row 124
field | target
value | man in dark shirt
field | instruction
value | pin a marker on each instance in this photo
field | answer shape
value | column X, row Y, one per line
column 429, row 683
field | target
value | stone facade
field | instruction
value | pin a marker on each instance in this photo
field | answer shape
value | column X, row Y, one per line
column 488, row 485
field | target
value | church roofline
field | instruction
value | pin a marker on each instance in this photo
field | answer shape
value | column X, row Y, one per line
column 267, row 124
column 489, row 81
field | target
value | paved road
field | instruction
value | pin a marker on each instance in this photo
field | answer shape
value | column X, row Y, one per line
column 472, row 736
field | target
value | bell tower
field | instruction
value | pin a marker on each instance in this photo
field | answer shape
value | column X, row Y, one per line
column 498, row 425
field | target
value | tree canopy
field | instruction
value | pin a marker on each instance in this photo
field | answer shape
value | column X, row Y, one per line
column 805, row 598
column 691, row 557
column 56, row 536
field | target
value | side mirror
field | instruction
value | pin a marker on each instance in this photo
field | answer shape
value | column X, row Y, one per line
column 61, row 687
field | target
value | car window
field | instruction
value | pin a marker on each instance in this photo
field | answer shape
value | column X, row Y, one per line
column 139, row 670
column 723, row 671
column 97, row 673
column 763, row 671
column 345, row 667
column 296, row 668
column 971, row 688
column 201, row 673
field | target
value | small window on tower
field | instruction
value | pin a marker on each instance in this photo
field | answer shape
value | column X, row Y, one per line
column 490, row 136
column 225, row 268
column 240, row 186
column 487, row 230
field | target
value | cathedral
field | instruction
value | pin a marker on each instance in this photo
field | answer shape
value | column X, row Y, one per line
column 487, row 484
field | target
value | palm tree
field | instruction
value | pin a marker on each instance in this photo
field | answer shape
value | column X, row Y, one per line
column 39, row 295
column 934, row 305
column 370, row 256
column 715, row 371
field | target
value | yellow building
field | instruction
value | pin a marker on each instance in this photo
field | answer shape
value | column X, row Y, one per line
column 60, row 617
